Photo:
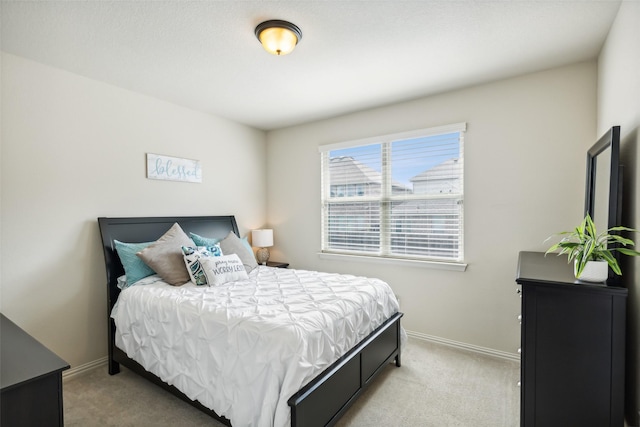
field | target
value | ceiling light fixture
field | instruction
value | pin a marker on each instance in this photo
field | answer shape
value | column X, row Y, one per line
column 278, row 37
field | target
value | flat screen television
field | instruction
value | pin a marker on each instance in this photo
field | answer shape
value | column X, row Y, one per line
column 603, row 192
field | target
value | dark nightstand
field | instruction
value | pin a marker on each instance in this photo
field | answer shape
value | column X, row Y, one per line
column 277, row 264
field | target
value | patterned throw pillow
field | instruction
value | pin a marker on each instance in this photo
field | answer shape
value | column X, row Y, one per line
column 192, row 258
column 223, row 269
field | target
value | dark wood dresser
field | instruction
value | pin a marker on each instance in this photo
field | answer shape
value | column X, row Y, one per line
column 31, row 379
column 572, row 346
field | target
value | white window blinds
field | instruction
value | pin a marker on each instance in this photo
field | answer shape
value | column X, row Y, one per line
column 395, row 196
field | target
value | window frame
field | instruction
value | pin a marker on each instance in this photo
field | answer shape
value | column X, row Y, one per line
column 385, row 198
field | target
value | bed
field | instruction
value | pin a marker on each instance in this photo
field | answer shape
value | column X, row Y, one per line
column 320, row 400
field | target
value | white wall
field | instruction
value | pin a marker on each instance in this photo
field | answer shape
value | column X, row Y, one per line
column 619, row 104
column 74, row 149
column 525, row 152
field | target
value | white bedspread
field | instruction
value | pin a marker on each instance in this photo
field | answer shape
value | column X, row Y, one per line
column 243, row 348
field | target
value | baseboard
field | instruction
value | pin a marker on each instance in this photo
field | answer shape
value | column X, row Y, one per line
column 465, row 346
column 83, row 369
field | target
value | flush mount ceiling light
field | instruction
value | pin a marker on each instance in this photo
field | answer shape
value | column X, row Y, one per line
column 278, row 37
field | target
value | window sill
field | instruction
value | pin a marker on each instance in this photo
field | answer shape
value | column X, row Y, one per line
column 439, row 265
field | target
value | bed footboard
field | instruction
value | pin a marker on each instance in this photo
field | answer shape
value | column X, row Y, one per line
column 328, row 396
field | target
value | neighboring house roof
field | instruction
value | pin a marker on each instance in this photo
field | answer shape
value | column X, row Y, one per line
column 445, row 170
column 347, row 170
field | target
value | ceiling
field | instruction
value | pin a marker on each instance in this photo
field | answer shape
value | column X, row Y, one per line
column 353, row 55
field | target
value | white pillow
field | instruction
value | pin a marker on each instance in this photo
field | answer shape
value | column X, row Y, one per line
column 223, row 269
column 122, row 281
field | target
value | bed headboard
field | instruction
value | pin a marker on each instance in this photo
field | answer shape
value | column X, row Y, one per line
column 148, row 229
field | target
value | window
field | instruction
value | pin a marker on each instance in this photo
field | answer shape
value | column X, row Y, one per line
column 395, row 196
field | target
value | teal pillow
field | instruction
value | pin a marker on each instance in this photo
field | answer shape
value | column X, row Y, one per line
column 246, row 244
column 208, row 241
column 134, row 268
column 203, row 241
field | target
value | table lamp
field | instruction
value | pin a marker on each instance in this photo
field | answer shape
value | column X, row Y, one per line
column 262, row 239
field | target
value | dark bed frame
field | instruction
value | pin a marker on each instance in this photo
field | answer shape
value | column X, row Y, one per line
column 319, row 403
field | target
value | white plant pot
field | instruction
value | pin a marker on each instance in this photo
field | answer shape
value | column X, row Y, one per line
column 594, row 271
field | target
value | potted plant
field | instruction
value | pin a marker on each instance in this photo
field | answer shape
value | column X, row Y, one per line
column 586, row 248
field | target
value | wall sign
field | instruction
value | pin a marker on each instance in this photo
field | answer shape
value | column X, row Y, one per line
column 173, row 168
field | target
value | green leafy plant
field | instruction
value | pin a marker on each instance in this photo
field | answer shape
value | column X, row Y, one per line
column 585, row 244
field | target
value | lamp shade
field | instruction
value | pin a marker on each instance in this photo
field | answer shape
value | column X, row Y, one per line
column 262, row 238
column 278, row 37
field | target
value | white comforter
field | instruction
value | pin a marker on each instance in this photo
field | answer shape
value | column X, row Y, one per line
column 245, row 347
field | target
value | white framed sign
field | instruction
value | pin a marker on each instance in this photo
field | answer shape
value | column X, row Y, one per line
column 173, row 168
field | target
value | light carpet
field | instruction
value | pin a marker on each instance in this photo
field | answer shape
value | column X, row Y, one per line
column 437, row 385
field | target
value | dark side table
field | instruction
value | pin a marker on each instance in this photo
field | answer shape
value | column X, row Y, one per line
column 277, row 264
column 31, row 379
